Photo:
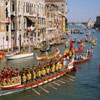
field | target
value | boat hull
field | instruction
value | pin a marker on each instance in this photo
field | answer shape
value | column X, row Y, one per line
column 19, row 56
column 37, row 83
column 81, row 61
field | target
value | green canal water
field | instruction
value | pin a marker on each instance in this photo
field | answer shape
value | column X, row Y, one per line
column 87, row 78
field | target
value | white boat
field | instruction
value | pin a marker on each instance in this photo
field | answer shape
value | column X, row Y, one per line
column 18, row 56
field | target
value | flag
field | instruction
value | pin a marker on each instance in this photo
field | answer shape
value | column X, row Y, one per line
column 30, row 30
column 71, row 46
column 99, row 66
column 37, row 26
column 8, row 20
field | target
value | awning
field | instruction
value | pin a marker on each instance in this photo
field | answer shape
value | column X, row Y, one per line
column 33, row 19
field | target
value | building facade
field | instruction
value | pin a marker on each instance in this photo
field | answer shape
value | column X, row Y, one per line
column 5, row 32
column 97, row 24
column 19, row 20
column 62, row 7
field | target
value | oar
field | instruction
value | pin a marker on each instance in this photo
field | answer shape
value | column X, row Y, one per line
column 64, row 80
column 43, row 89
column 70, row 76
column 36, row 91
column 74, row 73
column 52, row 86
column 60, row 81
column 56, row 83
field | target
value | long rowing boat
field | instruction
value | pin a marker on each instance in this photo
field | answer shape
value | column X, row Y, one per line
column 20, row 87
column 48, row 57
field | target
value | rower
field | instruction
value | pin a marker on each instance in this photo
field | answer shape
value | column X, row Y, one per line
column 23, row 78
column 39, row 74
column 48, row 70
column 43, row 72
column 56, row 68
column 53, row 68
column 29, row 76
column 59, row 66
column 34, row 75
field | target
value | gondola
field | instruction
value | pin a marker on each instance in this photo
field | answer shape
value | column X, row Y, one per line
column 45, row 49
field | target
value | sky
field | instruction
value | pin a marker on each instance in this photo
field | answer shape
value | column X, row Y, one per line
column 82, row 10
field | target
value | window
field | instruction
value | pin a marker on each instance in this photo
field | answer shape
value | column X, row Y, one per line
column 13, row 8
column 7, row 28
column 19, row 24
column 24, row 7
column 13, row 25
column 6, row 12
column 18, row 6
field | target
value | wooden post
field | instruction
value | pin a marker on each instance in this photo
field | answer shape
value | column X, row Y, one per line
column 29, row 45
column 12, row 44
column 8, row 45
column 3, row 44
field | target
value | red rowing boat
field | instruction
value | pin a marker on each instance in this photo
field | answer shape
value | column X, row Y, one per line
column 82, row 61
column 80, row 49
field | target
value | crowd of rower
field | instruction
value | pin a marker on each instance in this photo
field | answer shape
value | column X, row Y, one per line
column 84, row 55
column 31, row 73
column 34, row 73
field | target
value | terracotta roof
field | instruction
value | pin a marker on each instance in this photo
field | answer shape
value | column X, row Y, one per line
column 54, row 0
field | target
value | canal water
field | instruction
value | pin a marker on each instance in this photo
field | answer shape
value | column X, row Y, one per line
column 86, row 85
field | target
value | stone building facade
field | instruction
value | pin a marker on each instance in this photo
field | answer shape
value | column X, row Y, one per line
column 18, row 19
column 22, row 17
column 97, row 24
column 62, row 7
column 5, row 32
column 53, row 20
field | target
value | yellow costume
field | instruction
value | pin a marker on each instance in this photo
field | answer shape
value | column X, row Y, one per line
column 53, row 68
column 34, row 75
column 24, row 78
column 43, row 71
column 59, row 66
column 29, row 76
column 39, row 73
column 47, row 70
